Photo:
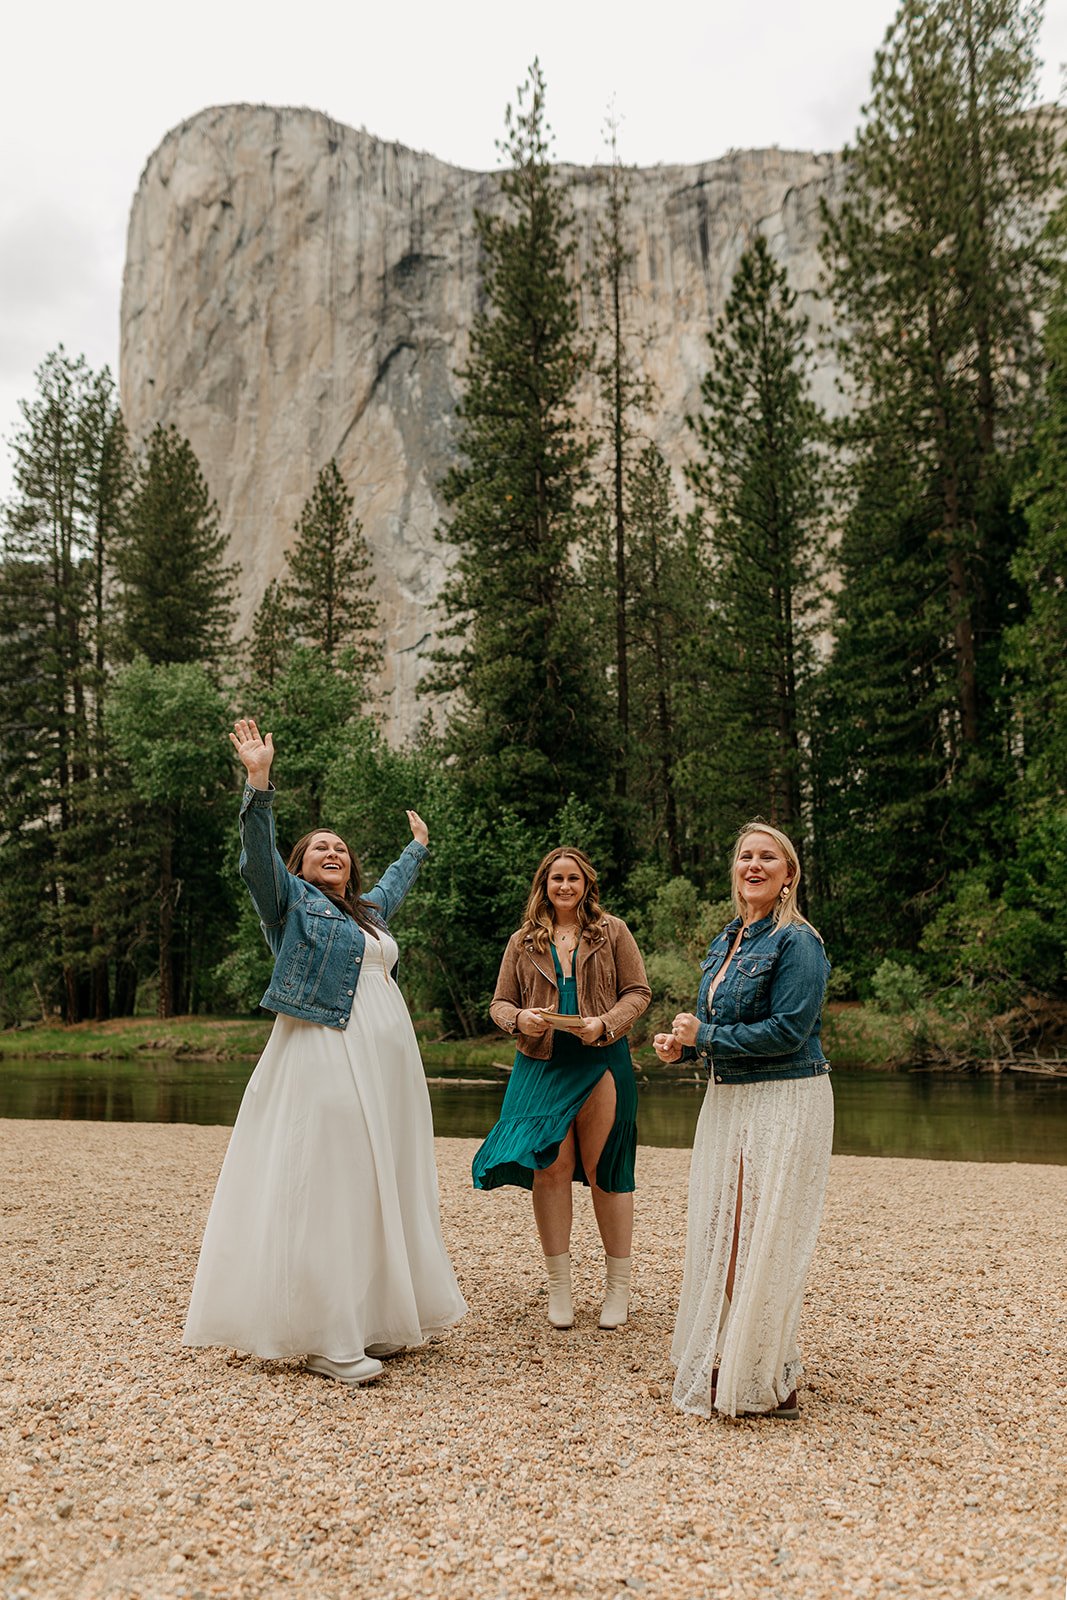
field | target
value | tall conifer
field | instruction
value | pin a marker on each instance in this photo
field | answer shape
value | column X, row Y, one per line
column 177, row 592
column 70, row 474
column 623, row 393
column 527, row 721
column 330, row 578
column 760, row 483
column 937, row 268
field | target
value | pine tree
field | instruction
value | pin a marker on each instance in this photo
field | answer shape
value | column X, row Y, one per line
column 527, row 721
column 176, row 590
column 175, row 617
column 760, row 483
column 667, row 628
column 937, row 270
column 70, row 472
column 1037, row 645
column 330, row 578
column 1035, row 877
column 624, row 394
column 271, row 641
column 165, row 720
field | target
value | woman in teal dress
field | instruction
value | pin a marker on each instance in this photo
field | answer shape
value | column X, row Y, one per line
column 570, row 1111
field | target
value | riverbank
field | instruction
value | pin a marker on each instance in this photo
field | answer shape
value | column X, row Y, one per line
column 854, row 1035
column 509, row 1460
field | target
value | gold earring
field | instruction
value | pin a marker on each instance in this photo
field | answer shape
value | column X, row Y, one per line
column 785, row 891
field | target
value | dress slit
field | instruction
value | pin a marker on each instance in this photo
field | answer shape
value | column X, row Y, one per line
column 542, row 1100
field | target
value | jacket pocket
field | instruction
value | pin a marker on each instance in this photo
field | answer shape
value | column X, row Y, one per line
column 754, row 976
column 296, row 964
column 754, row 967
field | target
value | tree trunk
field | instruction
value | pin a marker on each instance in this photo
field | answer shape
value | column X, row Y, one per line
column 165, row 1003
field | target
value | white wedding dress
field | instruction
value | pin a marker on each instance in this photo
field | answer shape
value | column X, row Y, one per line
column 324, row 1235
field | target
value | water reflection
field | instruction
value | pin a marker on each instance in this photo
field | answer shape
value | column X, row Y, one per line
column 942, row 1117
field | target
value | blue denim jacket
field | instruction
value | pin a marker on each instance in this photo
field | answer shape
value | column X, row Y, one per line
column 318, row 951
column 764, row 1021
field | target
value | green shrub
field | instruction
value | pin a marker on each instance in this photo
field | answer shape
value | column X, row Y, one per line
column 896, row 988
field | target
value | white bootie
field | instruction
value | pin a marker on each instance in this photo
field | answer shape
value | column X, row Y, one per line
column 614, row 1311
column 560, row 1308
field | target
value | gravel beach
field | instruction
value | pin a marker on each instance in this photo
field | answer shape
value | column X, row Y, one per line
column 508, row 1460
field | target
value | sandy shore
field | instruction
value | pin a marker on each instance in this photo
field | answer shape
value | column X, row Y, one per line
column 511, row 1461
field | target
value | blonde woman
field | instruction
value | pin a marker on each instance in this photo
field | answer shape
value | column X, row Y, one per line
column 761, row 1155
column 570, row 1111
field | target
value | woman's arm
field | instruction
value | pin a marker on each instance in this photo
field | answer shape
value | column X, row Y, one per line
column 631, row 987
column 261, row 867
column 797, row 989
column 509, row 1003
column 396, row 880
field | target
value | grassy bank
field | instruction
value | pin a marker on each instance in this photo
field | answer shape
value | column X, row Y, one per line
column 126, row 1038
column 853, row 1035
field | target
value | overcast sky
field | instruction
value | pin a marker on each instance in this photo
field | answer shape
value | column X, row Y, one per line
column 90, row 89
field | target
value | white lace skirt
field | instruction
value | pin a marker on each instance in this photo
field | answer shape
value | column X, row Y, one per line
column 324, row 1234
column 781, row 1132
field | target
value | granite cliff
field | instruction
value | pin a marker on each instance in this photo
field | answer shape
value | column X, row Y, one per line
column 296, row 290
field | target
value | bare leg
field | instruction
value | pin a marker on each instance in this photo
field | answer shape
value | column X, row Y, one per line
column 614, row 1212
column 552, row 1203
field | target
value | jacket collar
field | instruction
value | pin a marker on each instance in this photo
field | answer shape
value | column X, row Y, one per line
column 752, row 930
column 590, row 936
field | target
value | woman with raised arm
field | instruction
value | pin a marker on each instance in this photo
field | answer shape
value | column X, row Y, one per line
column 761, row 1154
column 324, row 1236
column 571, row 985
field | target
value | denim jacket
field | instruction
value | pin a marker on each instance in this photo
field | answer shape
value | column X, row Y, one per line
column 318, row 951
column 764, row 1019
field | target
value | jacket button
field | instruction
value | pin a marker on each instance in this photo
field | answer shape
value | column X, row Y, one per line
column 714, row 1011
column 351, row 991
column 717, row 1078
column 344, row 1016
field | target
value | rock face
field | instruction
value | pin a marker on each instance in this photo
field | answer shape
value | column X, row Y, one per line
column 296, row 290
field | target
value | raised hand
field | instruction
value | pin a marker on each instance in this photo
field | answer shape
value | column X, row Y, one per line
column 254, row 753
column 419, row 831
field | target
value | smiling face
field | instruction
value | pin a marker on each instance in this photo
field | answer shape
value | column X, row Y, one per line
column 761, row 872
column 565, row 886
column 327, row 863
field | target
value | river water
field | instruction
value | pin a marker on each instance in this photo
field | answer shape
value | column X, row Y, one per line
column 947, row 1117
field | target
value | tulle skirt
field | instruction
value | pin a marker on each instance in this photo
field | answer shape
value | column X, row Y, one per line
column 324, row 1235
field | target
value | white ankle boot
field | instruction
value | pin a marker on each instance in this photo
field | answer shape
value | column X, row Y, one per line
column 560, row 1308
column 614, row 1311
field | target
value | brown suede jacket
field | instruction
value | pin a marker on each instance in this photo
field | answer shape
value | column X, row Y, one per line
column 611, row 984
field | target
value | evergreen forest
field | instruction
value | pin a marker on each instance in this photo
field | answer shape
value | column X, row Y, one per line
column 855, row 629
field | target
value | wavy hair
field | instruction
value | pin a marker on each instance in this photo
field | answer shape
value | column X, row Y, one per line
column 351, row 902
column 786, row 911
column 538, row 919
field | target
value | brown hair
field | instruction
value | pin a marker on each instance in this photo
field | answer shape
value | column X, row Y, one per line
column 538, row 920
column 352, row 903
column 785, row 911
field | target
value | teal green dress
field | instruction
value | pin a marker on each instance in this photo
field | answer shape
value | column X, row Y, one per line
column 544, row 1097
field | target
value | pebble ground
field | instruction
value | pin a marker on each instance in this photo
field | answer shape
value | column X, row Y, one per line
column 509, row 1460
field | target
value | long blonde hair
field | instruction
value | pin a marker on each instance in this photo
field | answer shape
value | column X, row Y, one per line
column 786, row 911
column 538, row 920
